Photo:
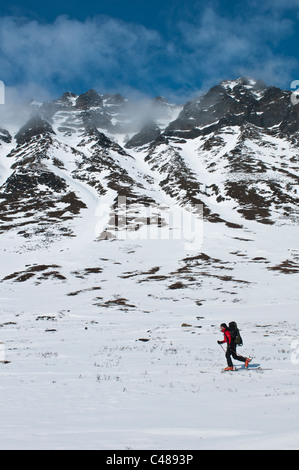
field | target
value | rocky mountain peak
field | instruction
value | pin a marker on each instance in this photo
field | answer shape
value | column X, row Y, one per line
column 244, row 85
column 89, row 99
column 235, row 102
column 5, row 136
column 36, row 126
column 116, row 99
column 147, row 134
column 161, row 101
column 68, row 97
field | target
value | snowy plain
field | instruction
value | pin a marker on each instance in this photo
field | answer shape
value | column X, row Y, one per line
column 115, row 359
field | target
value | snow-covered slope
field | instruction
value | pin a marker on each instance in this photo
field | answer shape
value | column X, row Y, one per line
column 113, row 287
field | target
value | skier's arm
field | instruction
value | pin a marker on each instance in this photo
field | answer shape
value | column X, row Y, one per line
column 227, row 339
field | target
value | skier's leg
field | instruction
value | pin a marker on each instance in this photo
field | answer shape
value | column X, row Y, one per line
column 228, row 358
column 239, row 358
column 235, row 355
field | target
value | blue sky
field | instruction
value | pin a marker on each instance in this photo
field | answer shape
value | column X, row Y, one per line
column 145, row 47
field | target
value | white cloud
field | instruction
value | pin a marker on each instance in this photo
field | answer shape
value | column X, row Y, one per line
column 99, row 49
column 114, row 56
column 229, row 46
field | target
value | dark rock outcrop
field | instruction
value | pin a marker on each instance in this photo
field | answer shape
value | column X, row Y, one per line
column 34, row 127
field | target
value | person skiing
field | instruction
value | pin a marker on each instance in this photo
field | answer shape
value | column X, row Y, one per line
column 231, row 349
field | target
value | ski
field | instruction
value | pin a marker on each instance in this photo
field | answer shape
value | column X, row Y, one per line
column 249, row 368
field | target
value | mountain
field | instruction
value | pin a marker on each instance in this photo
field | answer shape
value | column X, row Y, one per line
column 95, row 168
column 128, row 232
column 232, row 149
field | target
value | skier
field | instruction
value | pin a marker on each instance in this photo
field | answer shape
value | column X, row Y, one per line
column 231, row 349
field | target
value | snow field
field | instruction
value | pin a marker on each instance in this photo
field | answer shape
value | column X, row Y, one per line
column 82, row 375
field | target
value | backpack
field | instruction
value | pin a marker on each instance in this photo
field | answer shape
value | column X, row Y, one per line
column 235, row 333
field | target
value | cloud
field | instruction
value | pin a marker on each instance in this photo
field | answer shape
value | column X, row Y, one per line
column 276, row 5
column 73, row 52
column 195, row 52
column 222, row 46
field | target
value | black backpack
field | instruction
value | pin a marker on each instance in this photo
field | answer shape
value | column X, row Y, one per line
column 235, row 333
